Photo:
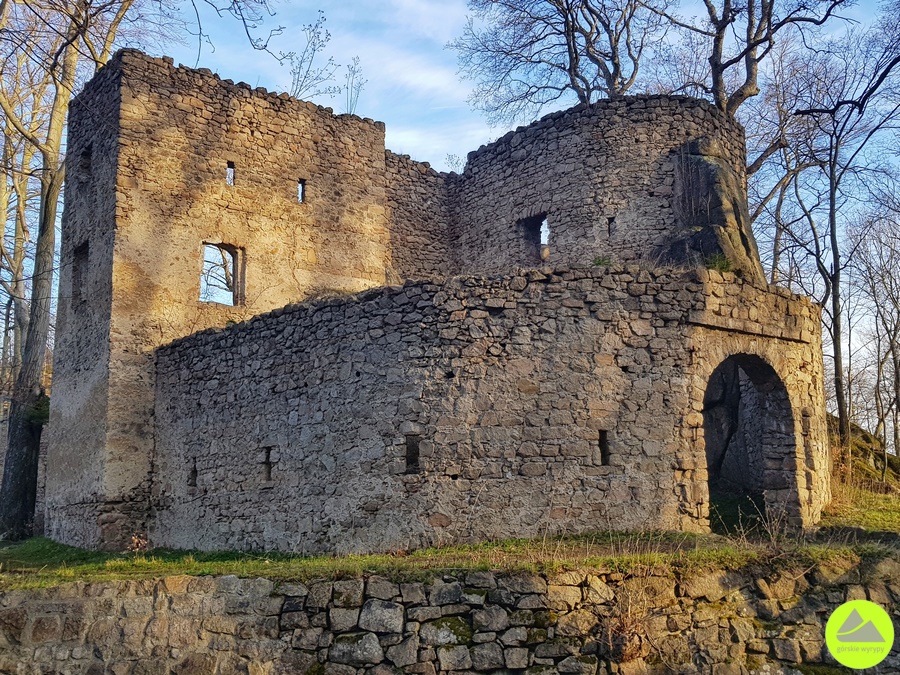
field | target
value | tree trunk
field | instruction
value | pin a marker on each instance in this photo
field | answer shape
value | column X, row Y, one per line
column 29, row 405
column 837, row 335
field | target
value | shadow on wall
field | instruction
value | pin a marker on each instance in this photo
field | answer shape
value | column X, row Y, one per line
column 709, row 193
column 748, row 428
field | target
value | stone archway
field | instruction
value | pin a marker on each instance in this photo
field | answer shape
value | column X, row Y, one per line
column 750, row 436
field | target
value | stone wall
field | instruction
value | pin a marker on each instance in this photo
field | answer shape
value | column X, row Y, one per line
column 552, row 401
column 586, row 622
column 418, row 204
column 149, row 152
column 610, row 181
column 165, row 161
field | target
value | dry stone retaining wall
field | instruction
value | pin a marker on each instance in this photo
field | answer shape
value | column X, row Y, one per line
column 553, row 401
column 588, row 622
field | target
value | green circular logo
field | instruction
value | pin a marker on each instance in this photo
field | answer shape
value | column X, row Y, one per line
column 859, row 634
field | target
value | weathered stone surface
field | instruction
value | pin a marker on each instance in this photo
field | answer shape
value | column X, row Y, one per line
column 490, row 619
column 524, row 583
column 149, row 628
column 563, row 597
column 356, row 649
column 449, row 630
column 713, row 586
column 404, row 653
column 583, row 665
column 380, row 616
column 381, row 588
column 596, row 591
column 445, row 593
column 515, row 657
column 343, row 619
column 487, row 656
column 591, row 306
column 579, row 622
column 348, row 593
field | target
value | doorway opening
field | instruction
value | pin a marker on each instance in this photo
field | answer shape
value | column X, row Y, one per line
column 751, row 449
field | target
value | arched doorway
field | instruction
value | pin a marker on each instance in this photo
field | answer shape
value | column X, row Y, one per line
column 751, row 445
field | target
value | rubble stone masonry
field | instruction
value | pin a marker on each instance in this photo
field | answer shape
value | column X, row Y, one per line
column 595, row 621
column 586, row 382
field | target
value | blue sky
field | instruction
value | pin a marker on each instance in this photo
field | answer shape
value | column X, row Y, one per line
column 413, row 86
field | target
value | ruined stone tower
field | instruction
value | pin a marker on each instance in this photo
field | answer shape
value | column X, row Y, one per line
column 533, row 345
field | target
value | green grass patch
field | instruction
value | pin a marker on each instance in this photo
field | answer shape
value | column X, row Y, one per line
column 854, row 506
column 39, row 562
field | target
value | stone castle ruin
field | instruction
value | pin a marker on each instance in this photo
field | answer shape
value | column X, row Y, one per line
column 397, row 357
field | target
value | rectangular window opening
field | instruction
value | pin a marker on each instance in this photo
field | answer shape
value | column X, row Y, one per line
column 80, row 262
column 536, row 231
column 192, row 476
column 603, row 445
column 229, row 173
column 221, row 278
column 412, row 453
column 301, row 191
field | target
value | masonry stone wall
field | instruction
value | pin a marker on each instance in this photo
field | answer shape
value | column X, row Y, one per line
column 80, row 406
column 551, row 401
column 608, row 178
column 595, row 621
column 418, row 200
column 534, row 395
column 151, row 195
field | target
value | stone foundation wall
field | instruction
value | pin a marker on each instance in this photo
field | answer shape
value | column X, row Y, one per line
column 587, row 622
column 552, row 401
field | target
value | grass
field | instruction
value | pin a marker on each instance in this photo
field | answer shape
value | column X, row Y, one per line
column 741, row 539
column 39, row 562
column 856, row 506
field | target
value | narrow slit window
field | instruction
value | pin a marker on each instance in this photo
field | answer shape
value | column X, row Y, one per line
column 301, row 191
column 536, row 232
column 221, row 278
column 412, row 453
column 85, row 162
column 229, row 173
column 603, row 445
column 80, row 262
column 267, row 465
column 192, row 476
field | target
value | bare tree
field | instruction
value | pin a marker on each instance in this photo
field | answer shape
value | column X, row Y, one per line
column 354, row 83
column 845, row 160
column 526, row 54
column 310, row 79
column 878, row 264
column 737, row 38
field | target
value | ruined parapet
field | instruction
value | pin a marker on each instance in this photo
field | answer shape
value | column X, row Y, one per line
column 608, row 182
column 553, row 401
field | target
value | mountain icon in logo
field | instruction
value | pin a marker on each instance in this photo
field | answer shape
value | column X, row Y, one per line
column 857, row 629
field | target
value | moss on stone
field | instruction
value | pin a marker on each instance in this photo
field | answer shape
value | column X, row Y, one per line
column 461, row 630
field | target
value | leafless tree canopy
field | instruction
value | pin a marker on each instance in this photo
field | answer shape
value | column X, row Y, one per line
column 524, row 55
